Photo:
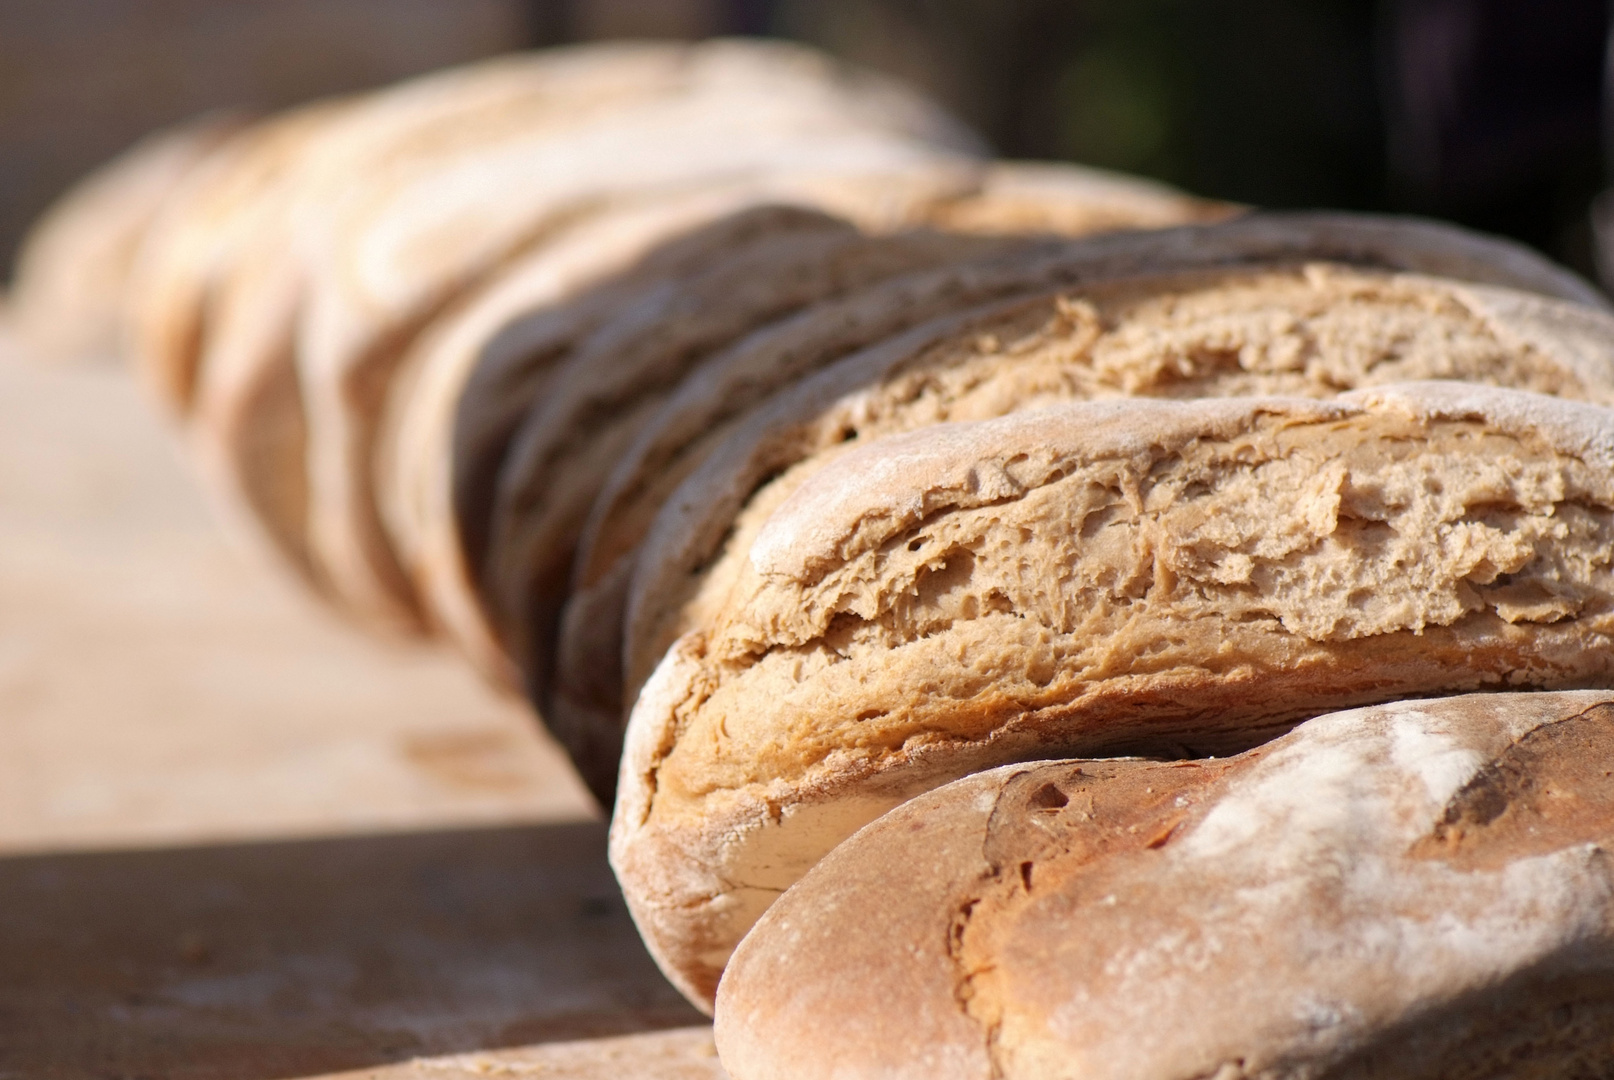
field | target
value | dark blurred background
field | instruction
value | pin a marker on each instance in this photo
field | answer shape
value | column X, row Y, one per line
column 1486, row 112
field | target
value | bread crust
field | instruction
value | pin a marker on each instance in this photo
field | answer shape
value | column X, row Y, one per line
column 1180, row 576
column 1535, row 342
column 1414, row 890
column 599, row 399
column 78, row 261
column 452, row 202
column 459, row 395
column 534, row 540
column 1012, row 198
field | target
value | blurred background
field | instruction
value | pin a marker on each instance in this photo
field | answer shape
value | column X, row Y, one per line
column 1485, row 112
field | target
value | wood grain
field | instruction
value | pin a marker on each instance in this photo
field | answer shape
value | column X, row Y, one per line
column 241, row 841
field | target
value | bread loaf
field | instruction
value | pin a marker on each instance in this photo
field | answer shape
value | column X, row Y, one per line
column 721, row 383
column 1182, row 577
column 673, row 437
column 716, row 397
column 599, row 399
column 1418, row 890
column 231, row 202
column 1361, row 327
column 78, row 261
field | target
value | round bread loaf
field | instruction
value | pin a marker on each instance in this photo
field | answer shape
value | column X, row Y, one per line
column 76, row 263
column 1179, row 577
column 1418, row 891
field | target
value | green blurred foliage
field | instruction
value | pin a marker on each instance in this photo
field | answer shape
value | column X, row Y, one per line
column 1269, row 102
column 1264, row 101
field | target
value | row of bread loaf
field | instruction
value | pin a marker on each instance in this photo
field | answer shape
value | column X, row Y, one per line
column 719, row 387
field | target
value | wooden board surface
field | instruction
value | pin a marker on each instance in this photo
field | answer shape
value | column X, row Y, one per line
column 241, row 841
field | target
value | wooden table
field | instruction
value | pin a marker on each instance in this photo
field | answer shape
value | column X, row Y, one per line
column 241, row 841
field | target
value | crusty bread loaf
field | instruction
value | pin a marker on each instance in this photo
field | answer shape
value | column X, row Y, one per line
column 77, row 262
column 1181, row 341
column 672, row 438
column 1178, row 576
column 1416, row 891
column 996, row 200
column 714, row 399
column 216, row 216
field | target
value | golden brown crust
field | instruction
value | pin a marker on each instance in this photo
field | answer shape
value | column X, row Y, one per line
column 480, row 370
column 1406, row 891
column 78, row 262
column 1137, row 573
column 386, row 257
column 1007, row 198
column 600, row 398
column 1282, row 329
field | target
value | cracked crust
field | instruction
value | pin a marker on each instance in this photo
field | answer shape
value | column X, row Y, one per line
column 463, row 388
column 599, row 399
column 486, row 369
column 1551, row 346
column 712, row 402
column 1140, row 573
column 1415, row 891
column 707, row 405
column 581, row 698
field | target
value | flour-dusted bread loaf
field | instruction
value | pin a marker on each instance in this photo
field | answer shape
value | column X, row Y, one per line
column 1181, row 577
column 1417, row 891
column 1139, row 319
column 75, row 265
